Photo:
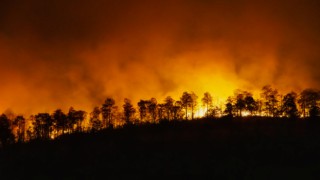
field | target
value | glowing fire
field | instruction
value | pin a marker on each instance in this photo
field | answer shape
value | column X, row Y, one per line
column 201, row 112
column 245, row 113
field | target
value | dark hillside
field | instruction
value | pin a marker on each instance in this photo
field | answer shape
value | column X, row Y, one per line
column 251, row 148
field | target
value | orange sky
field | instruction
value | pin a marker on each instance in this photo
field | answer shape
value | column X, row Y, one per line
column 60, row 53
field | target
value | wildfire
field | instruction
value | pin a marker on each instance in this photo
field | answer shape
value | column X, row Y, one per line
column 245, row 113
column 201, row 112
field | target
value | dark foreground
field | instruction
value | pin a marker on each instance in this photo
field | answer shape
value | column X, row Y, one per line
column 250, row 148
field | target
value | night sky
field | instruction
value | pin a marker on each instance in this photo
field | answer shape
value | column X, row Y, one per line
column 58, row 53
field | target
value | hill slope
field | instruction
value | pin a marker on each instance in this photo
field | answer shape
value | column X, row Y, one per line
column 240, row 148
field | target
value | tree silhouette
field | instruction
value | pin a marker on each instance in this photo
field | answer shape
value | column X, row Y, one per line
column 177, row 110
column 314, row 111
column 207, row 101
column 270, row 96
column 75, row 119
column 240, row 101
column 31, row 134
column 71, row 119
column 117, row 117
column 20, row 122
column 186, row 101
column 229, row 109
column 259, row 104
column 152, row 108
column 128, row 110
column 189, row 100
column 308, row 101
column 289, row 105
column 107, row 112
column 168, row 106
column 79, row 117
column 6, row 135
column 250, row 103
column 214, row 112
column 194, row 98
column 95, row 121
column 43, row 125
column 142, row 104
column 60, row 120
column 161, row 112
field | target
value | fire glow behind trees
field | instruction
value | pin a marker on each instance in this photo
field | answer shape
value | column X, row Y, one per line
column 57, row 54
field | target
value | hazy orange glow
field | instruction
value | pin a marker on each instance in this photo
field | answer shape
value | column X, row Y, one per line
column 57, row 54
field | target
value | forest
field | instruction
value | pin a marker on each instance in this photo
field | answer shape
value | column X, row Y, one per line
column 276, row 136
column 45, row 126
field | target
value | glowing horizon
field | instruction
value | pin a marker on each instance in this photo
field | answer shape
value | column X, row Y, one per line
column 59, row 54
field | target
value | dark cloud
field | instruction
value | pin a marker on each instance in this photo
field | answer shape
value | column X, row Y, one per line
column 59, row 53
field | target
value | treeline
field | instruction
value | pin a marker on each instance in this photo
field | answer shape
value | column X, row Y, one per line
column 48, row 126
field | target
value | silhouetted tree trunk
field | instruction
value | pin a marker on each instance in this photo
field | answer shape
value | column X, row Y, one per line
column 289, row 105
column 128, row 110
column 194, row 98
column 6, row 135
column 250, row 104
column 229, row 107
column 207, row 101
column 43, row 125
column 152, row 107
column 106, row 111
column 60, row 120
column 271, row 99
column 186, row 101
column 176, row 109
column 308, row 100
column 142, row 104
column 161, row 111
column 20, row 122
column 168, row 105
column 240, row 103
column 95, row 121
